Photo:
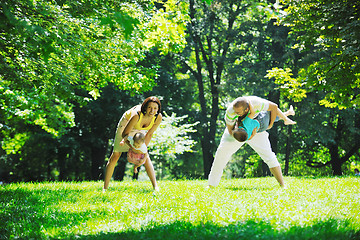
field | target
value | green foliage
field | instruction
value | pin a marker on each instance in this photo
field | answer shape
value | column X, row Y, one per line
column 289, row 86
column 172, row 137
column 170, row 140
column 51, row 51
column 330, row 29
column 168, row 27
column 13, row 146
column 323, row 208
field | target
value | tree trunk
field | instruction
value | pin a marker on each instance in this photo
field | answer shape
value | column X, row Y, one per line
column 63, row 175
column 119, row 172
column 288, row 151
column 273, row 96
column 97, row 161
column 336, row 168
column 335, row 160
column 208, row 157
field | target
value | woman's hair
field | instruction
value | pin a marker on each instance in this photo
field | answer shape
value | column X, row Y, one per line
column 146, row 102
column 240, row 134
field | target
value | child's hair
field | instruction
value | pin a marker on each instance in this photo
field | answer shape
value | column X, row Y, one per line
column 138, row 136
column 240, row 134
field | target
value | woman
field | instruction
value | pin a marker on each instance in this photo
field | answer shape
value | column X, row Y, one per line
column 143, row 118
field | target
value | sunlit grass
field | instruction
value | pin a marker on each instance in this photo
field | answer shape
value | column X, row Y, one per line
column 324, row 208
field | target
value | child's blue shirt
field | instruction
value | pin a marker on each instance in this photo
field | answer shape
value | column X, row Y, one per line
column 249, row 125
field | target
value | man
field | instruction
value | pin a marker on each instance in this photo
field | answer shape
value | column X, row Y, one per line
column 259, row 142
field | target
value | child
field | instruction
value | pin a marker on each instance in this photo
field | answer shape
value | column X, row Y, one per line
column 137, row 153
column 247, row 127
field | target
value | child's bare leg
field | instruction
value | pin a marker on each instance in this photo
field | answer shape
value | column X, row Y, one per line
column 136, row 169
column 287, row 121
column 290, row 112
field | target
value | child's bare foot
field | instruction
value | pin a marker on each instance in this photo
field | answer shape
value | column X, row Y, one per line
column 291, row 111
column 135, row 170
column 288, row 121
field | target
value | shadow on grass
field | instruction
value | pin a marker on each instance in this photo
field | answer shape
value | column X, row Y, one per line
column 249, row 188
column 245, row 230
column 27, row 212
column 24, row 214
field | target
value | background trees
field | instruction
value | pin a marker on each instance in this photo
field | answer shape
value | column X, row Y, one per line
column 331, row 32
column 70, row 69
column 220, row 36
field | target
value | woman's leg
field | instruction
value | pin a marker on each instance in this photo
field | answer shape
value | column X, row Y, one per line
column 115, row 155
column 110, row 166
column 151, row 173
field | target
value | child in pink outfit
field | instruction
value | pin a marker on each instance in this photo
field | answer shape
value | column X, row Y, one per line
column 137, row 153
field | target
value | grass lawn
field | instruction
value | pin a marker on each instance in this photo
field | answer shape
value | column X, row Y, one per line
column 323, row 208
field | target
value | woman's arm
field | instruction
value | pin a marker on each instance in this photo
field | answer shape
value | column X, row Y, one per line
column 129, row 126
column 150, row 133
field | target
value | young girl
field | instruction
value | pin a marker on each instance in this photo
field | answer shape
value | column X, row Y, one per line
column 137, row 153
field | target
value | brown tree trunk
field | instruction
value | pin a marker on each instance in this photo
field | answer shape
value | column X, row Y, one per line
column 97, row 161
column 119, row 172
column 288, row 151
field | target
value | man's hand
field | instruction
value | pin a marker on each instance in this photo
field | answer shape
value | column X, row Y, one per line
column 253, row 133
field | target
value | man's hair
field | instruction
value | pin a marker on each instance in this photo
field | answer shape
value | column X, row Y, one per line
column 240, row 134
column 138, row 136
column 241, row 102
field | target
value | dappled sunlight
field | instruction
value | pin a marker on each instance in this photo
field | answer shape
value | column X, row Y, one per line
column 181, row 209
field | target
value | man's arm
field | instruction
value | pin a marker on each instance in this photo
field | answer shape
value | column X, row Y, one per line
column 251, row 111
column 253, row 133
column 230, row 128
column 273, row 110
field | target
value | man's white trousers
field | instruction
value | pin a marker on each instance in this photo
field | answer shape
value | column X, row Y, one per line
column 229, row 145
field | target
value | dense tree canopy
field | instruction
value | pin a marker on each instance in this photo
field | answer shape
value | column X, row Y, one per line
column 331, row 32
column 69, row 69
column 49, row 49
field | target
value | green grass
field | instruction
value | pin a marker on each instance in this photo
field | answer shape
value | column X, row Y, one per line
column 323, row 208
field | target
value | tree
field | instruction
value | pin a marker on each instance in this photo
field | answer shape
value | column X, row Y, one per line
column 50, row 49
column 332, row 31
column 331, row 131
column 170, row 140
column 219, row 34
column 53, row 51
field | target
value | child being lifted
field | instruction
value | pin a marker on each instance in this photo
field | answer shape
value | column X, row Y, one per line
column 137, row 153
column 246, row 127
